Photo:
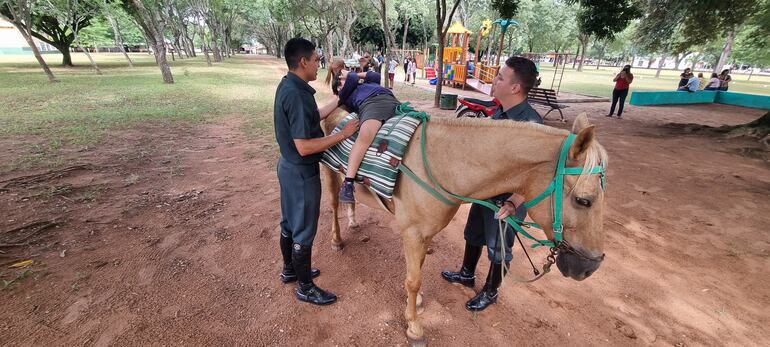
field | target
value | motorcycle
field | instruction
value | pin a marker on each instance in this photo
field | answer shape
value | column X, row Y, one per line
column 476, row 108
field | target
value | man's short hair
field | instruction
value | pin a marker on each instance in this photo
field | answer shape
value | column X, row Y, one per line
column 525, row 70
column 296, row 49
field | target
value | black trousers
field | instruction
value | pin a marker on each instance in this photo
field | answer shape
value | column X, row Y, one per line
column 618, row 94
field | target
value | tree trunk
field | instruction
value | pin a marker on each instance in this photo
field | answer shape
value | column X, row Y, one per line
column 119, row 38
column 649, row 62
column 160, row 57
column 601, row 55
column 329, row 49
column 725, row 51
column 660, row 65
column 93, row 63
column 27, row 34
column 439, row 67
column 214, row 48
column 203, row 46
column 574, row 61
column 584, row 43
column 406, row 29
column 66, row 56
column 153, row 30
column 390, row 41
column 751, row 72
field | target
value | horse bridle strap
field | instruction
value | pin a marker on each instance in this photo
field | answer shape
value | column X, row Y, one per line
column 555, row 188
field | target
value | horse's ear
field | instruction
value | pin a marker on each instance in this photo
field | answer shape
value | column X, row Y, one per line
column 583, row 139
column 581, row 122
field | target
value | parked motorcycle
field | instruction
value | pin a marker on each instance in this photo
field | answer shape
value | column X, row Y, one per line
column 476, row 108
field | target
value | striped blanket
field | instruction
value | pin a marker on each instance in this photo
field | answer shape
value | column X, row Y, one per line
column 379, row 169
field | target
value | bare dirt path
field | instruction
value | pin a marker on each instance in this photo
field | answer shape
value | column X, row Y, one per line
column 166, row 235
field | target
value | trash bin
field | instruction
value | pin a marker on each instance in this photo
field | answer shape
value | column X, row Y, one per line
column 448, row 101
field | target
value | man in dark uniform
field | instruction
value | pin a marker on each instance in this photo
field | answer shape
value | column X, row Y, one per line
column 510, row 86
column 301, row 141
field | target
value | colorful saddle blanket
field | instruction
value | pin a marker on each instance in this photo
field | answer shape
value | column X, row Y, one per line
column 379, row 169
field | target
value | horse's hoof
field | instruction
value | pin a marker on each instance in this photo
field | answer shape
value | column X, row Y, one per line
column 354, row 228
column 337, row 247
column 416, row 342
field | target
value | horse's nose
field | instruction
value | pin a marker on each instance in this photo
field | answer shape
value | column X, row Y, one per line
column 576, row 267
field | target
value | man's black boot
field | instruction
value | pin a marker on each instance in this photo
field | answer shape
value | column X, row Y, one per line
column 307, row 290
column 488, row 295
column 288, row 274
column 467, row 274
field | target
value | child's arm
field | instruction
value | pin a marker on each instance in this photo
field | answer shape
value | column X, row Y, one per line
column 351, row 82
column 372, row 77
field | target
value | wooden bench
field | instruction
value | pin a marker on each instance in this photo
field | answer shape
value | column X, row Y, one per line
column 546, row 97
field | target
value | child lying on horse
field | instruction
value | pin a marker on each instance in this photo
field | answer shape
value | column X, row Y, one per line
column 374, row 104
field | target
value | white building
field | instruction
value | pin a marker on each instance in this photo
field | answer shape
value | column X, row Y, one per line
column 12, row 43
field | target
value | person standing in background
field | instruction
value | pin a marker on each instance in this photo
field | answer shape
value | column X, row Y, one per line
column 392, row 71
column 412, row 70
column 622, row 82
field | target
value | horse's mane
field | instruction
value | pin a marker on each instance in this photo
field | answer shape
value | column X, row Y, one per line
column 595, row 153
column 485, row 123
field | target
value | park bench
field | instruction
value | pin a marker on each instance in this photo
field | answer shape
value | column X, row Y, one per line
column 546, row 97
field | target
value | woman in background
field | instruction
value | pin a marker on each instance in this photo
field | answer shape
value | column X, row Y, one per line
column 622, row 82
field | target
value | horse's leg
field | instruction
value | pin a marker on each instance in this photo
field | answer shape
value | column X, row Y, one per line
column 414, row 252
column 352, row 223
column 333, row 185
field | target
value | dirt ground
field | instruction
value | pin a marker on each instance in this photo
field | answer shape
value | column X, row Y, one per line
column 167, row 235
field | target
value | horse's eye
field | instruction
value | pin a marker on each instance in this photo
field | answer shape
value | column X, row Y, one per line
column 583, row 202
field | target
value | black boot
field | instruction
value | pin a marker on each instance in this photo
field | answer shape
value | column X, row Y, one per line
column 488, row 295
column 467, row 274
column 307, row 290
column 288, row 274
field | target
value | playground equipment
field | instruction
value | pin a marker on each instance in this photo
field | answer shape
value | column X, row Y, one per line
column 484, row 71
column 456, row 55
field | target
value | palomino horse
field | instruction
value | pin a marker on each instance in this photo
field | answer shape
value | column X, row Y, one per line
column 479, row 158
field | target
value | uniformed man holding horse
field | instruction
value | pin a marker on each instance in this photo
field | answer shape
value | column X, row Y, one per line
column 510, row 86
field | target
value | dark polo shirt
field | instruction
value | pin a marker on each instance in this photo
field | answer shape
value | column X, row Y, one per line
column 523, row 112
column 295, row 116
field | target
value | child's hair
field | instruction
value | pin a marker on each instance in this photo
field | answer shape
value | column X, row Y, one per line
column 334, row 69
column 336, row 82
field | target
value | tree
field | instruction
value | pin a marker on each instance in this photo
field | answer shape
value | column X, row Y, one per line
column 112, row 12
column 657, row 31
column 50, row 28
column 382, row 8
column 601, row 19
column 19, row 13
column 443, row 20
column 147, row 14
column 72, row 14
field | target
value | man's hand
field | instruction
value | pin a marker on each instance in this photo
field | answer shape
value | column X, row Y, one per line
column 510, row 206
column 350, row 128
column 506, row 210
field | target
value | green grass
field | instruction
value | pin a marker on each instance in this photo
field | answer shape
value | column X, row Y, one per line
column 79, row 108
column 599, row 82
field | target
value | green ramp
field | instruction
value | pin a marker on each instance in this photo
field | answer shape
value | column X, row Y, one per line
column 672, row 97
column 744, row 99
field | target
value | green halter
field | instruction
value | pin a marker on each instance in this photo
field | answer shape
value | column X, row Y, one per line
column 555, row 188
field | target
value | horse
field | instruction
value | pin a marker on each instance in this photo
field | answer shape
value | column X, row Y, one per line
column 479, row 158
